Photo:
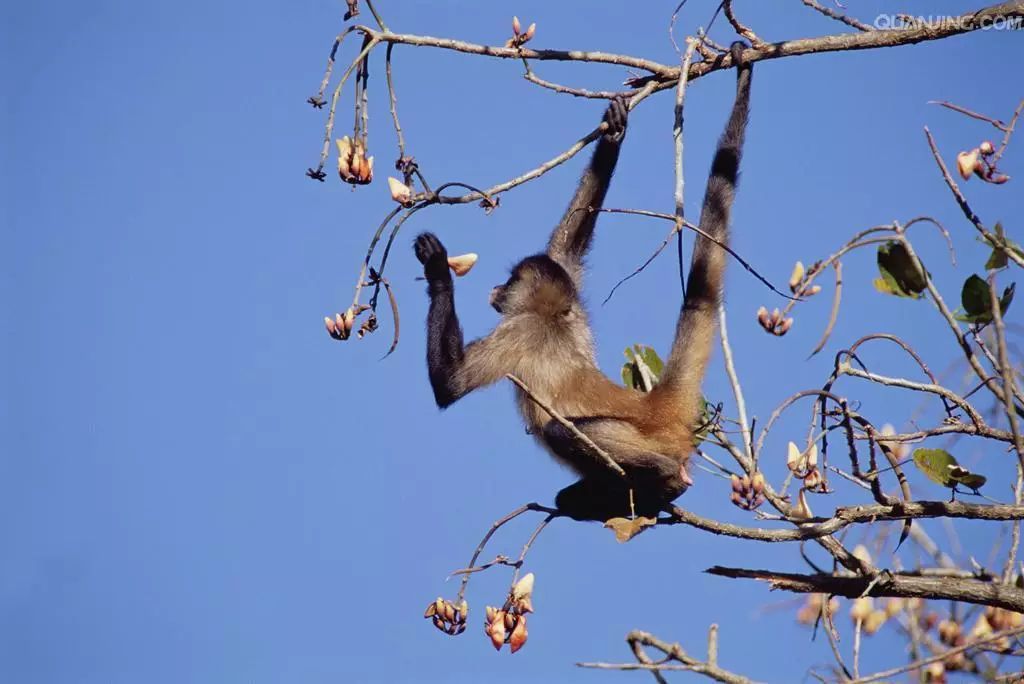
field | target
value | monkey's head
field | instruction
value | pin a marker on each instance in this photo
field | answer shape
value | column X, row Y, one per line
column 539, row 285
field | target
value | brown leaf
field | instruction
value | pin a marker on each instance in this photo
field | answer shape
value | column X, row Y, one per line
column 625, row 529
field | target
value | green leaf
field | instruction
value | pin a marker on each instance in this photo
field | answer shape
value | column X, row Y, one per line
column 1000, row 247
column 900, row 275
column 976, row 301
column 642, row 363
column 939, row 466
column 935, row 464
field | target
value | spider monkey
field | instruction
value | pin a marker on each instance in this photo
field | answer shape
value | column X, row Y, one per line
column 544, row 339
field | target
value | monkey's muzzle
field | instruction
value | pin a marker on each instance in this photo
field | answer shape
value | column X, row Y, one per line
column 497, row 298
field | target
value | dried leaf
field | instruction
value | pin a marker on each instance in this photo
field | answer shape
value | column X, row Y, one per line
column 625, row 528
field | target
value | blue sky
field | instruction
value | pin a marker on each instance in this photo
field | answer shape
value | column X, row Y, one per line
column 198, row 485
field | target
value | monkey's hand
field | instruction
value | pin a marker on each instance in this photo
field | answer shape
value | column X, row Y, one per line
column 434, row 258
column 616, row 116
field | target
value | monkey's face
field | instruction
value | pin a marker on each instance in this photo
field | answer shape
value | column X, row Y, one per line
column 537, row 284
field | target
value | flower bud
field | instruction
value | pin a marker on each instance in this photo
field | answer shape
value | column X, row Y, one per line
column 532, row 29
column 874, row 621
column 861, row 609
column 967, row 163
column 400, row 192
column 764, row 319
column 801, row 511
column 796, row 277
column 518, row 638
column 986, row 148
column 515, row 25
column 449, row 612
column 949, row 630
column 795, row 460
column 462, row 264
column 495, row 629
column 345, row 158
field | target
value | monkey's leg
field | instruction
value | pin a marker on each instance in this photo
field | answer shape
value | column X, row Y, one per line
column 655, row 478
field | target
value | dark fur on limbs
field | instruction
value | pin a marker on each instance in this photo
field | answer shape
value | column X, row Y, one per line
column 544, row 338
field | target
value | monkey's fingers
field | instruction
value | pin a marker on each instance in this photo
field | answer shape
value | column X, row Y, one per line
column 427, row 248
column 616, row 117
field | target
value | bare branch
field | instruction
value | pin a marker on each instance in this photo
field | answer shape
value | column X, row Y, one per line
column 887, row 584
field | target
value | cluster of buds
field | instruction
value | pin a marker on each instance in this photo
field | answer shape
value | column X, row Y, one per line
column 519, row 37
column 448, row 617
column 774, row 322
column 1000, row 618
column 507, row 625
column 978, row 162
column 747, row 491
column 340, row 327
column 995, row 620
column 353, row 165
column 797, row 284
column 870, row 618
column 804, row 465
column 810, row 611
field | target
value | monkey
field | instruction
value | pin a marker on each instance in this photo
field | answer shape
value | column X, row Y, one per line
column 544, row 339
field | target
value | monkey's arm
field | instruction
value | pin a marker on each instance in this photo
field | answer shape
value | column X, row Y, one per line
column 571, row 238
column 455, row 369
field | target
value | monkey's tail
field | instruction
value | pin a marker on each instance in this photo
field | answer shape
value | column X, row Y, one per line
column 680, row 381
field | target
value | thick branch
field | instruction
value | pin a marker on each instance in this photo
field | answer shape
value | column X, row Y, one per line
column 849, row 515
column 667, row 75
column 887, row 584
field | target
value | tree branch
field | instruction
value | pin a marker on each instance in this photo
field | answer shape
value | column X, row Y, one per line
column 887, row 584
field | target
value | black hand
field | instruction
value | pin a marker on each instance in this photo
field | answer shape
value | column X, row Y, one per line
column 433, row 256
column 616, row 117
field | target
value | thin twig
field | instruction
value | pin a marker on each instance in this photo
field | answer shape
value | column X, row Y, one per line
column 832, row 14
column 1007, row 371
column 495, row 526
column 393, row 99
column 568, row 425
column 734, row 382
column 918, row 664
column 689, row 226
